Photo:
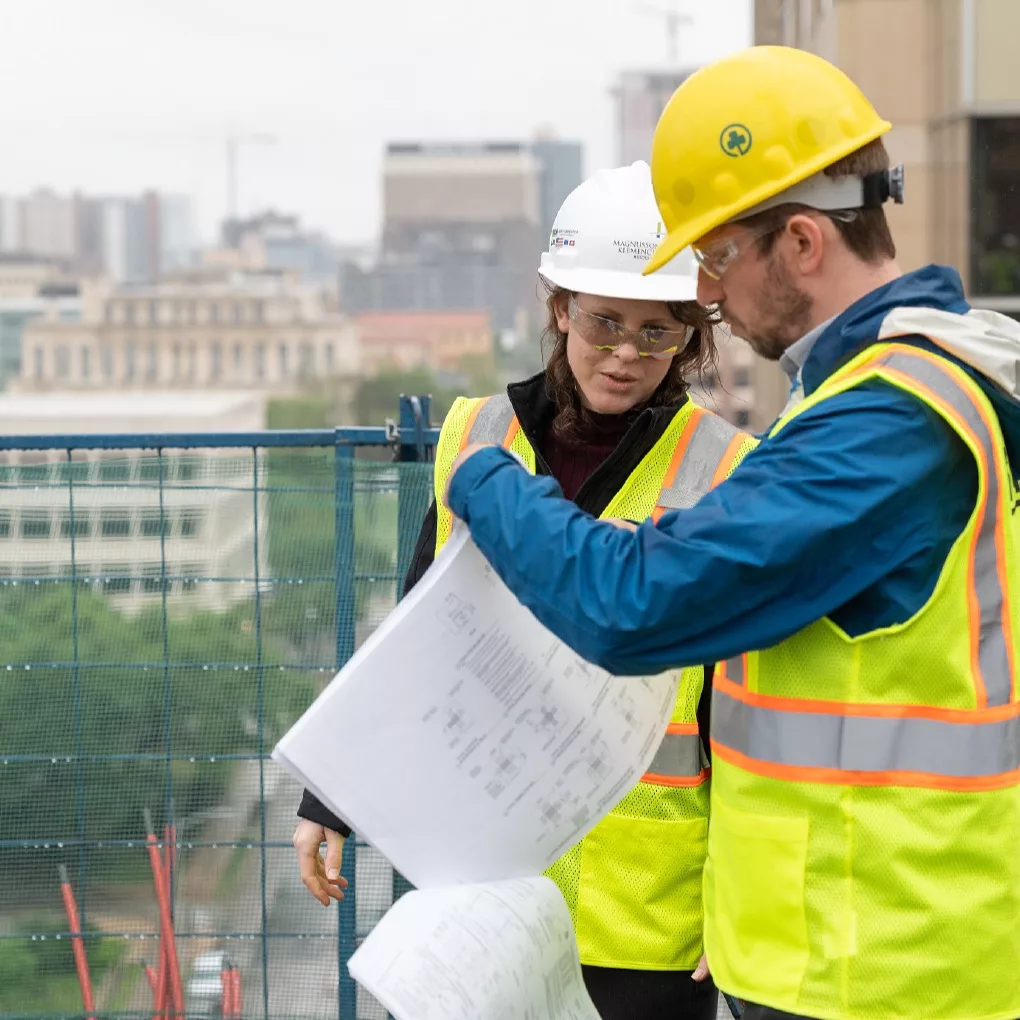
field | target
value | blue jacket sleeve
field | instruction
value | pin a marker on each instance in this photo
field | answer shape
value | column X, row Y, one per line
column 847, row 493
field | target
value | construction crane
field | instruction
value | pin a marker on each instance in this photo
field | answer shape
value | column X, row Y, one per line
column 234, row 142
column 673, row 17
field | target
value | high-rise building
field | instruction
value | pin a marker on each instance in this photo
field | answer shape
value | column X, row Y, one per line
column 132, row 239
column 114, row 239
column 641, row 96
column 561, row 170
column 10, row 224
column 464, row 227
column 140, row 240
column 177, row 237
column 944, row 72
column 89, row 229
column 48, row 224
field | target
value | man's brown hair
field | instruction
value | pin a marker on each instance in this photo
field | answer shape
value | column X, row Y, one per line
column 866, row 232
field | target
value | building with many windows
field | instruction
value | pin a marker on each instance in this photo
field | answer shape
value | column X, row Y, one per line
column 132, row 524
column 209, row 329
column 31, row 289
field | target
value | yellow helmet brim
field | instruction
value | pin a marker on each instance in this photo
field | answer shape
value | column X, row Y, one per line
column 668, row 250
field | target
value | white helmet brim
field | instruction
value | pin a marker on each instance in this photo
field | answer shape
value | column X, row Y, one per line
column 613, row 284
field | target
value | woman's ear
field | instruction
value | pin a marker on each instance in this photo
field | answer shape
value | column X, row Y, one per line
column 561, row 306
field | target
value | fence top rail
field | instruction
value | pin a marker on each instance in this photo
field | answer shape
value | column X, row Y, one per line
column 348, row 436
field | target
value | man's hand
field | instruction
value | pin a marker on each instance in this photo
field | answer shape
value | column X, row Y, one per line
column 321, row 878
column 468, row 451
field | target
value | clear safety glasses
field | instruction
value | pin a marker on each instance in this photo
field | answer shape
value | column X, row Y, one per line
column 717, row 257
column 606, row 335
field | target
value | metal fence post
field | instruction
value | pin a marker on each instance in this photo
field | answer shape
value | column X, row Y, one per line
column 344, row 568
column 78, row 707
column 414, row 420
column 164, row 586
column 260, row 701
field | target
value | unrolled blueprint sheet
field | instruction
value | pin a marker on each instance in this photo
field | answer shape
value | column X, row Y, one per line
column 498, row 951
column 465, row 741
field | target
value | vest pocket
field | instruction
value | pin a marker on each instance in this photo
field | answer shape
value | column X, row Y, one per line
column 639, row 897
column 755, row 886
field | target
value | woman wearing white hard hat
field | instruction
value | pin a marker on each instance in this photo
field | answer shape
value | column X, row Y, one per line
column 610, row 419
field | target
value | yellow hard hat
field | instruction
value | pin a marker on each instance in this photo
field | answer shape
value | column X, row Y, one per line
column 745, row 128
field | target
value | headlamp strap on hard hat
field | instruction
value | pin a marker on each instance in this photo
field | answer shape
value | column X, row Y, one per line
column 883, row 186
column 832, row 194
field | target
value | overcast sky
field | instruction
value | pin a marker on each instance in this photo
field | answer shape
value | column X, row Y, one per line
column 119, row 95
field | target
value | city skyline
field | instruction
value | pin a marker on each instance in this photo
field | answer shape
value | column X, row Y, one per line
column 143, row 117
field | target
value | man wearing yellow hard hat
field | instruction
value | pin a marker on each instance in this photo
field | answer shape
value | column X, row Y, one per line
column 857, row 576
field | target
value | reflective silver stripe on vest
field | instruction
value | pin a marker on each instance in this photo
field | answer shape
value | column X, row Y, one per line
column 735, row 670
column 492, row 421
column 711, row 439
column 866, row 743
column 679, row 755
column 993, row 657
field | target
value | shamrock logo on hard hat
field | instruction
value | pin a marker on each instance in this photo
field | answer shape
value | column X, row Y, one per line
column 735, row 140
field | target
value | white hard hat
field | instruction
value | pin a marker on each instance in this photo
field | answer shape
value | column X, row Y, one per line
column 605, row 232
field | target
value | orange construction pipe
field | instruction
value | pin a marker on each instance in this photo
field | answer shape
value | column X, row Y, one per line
column 165, row 920
column 235, row 980
column 227, row 996
column 78, row 945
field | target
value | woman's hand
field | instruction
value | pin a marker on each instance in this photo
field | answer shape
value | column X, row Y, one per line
column 321, row 877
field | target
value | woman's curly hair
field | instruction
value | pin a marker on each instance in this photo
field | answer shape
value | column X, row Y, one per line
column 698, row 358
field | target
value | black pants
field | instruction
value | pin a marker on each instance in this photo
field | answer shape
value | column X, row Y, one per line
column 650, row 994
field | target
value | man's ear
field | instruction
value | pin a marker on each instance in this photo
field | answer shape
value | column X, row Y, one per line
column 808, row 242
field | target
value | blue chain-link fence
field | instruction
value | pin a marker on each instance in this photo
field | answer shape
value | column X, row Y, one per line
column 168, row 606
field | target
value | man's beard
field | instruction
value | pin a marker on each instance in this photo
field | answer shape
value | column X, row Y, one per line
column 784, row 314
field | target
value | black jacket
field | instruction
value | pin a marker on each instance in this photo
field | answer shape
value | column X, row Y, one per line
column 535, row 411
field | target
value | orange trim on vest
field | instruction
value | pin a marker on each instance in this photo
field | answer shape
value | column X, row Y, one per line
column 511, row 433
column 844, row 777
column 677, row 781
column 682, row 729
column 973, row 603
column 870, row 709
column 973, row 606
column 723, row 675
column 678, row 455
column 723, row 470
column 470, row 424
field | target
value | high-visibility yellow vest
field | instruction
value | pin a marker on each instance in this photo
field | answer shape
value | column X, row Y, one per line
column 864, row 854
column 633, row 885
